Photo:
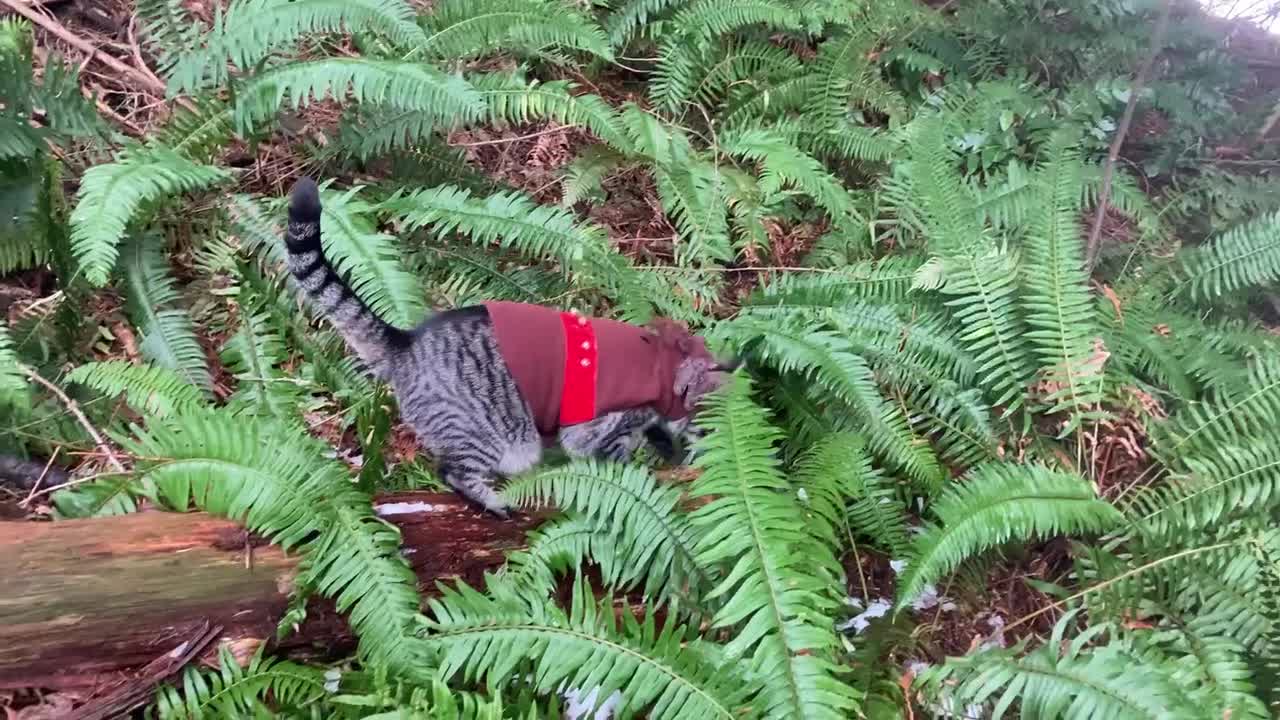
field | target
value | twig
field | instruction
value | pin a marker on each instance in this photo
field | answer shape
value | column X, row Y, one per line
column 501, row 141
column 43, row 474
column 74, row 408
column 63, row 486
column 1109, row 167
column 79, row 43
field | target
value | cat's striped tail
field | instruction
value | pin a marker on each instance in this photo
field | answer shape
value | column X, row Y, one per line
column 372, row 338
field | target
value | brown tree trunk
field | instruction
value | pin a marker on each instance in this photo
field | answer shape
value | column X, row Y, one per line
column 83, row 602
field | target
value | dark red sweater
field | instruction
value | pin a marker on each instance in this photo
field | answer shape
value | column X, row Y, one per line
column 571, row 369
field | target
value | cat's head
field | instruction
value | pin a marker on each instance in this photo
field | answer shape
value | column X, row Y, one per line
column 698, row 372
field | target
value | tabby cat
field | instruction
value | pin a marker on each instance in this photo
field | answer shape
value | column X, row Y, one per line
column 453, row 387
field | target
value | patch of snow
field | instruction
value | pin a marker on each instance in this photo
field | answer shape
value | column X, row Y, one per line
column 861, row 621
column 402, row 508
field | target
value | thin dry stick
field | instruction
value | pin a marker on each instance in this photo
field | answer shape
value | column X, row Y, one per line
column 502, row 141
column 1109, row 167
column 52, row 456
column 74, row 408
column 63, row 486
column 81, row 44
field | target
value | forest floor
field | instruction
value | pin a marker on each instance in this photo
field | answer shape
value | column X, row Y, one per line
column 528, row 158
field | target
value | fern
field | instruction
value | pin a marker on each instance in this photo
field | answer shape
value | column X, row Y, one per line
column 168, row 335
column 823, row 358
column 248, row 31
column 13, row 383
column 1245, row 256
column 1058, row 307
column 785, row 164
column 252, row 354
column 153, row 389
column 997, row 503
column 1066, row 679
column 581, row 648
column 114, row 194
column 231, row 690
column 461, row 29
column 276, row 481
column 392, row 84
column 511, row 100
column 780, row 592
column 650, row 540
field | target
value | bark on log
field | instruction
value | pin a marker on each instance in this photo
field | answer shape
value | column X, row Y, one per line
column 83, row 602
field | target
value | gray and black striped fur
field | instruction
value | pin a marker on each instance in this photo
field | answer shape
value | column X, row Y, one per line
column 451, row 383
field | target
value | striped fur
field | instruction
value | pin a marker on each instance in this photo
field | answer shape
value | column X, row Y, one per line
column 451, row 383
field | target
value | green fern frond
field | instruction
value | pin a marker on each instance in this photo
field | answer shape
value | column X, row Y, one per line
column 276, row 480
column 252, row 354
column 783, row 164
column 1065, row 678
column 462, row 29
column 486, row 637
column 235, row 691
column 652, row 540
column 827, row 476
column 824, row 358
column 198, row 133
column 996, row 503
column 152, row 389
column 104, row 497
column 370, row 260
column 1059, row 310
column 752, row 104
column 693, row 195
column 584, row 177
column 112, row 195
column 168, row 335
column 981, row 292
column 1227, row 421
column 13, row 382
column 512, row 100
column 780, row 591
column 841, row 63
column 737, row 61
column 687, row 48
column 634, row 16
column 1246, row 256
column 397, row 85
column 886, row 280
column 249, row 31
column 509, row 219
column 169, row 32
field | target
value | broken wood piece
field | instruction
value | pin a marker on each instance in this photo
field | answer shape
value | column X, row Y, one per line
column 83, row 601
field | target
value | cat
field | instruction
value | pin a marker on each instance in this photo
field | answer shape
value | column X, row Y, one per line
column 464, row 401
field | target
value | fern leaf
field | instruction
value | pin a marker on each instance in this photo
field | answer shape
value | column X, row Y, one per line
column 693, row 195
column 782, row 164
column 652, row 541
column 998, row 503
column 635, row 15
column 462, row 29
column 824, row 358
column 151, row 389
column 393, row 84
column 113, row 195
column 693, row 30
column 981, row 288
column 1245, row 256
column 276, row 480
column 487, row 637
column 780, row 590
column 235, row 691
column 1058, row 307
column 250, row 30
column 1066, row 679
column 252, row 354
column 507, row 218
column 168, row 335
column 13, row 382
column 511, row 100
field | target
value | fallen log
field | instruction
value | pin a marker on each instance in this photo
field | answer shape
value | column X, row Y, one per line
column 85, row 602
